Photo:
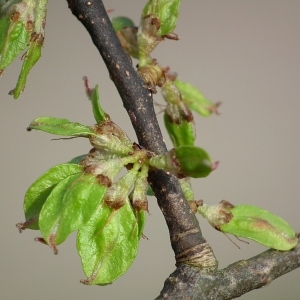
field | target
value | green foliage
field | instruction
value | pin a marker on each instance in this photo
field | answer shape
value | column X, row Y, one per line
column 84, row 194
column 195, row 100
column 39, row 191
column 251, row 222
column 181, row 134
column 32, row 55
column 21, row 26
column 108, row 243
column 15, row 42
column 60, row 126
column 185, row 161
column 165, row 11
column 69, row 206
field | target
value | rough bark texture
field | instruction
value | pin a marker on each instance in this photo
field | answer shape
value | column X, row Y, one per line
column 190, row 248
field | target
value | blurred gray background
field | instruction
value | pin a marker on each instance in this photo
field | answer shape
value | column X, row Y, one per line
column 242, row 53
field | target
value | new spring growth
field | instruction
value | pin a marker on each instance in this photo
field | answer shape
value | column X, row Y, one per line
column 21, row 25
column 250, row 222
column 185, row 161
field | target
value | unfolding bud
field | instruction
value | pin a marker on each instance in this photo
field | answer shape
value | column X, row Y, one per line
column 250, row 222
column 138, row 196
column 181, row 134
column 195, row 100
column 93, row 95
column 102, row 164
column 108, row 136
column 166, row 13
column 118, row 193
column 184, row 161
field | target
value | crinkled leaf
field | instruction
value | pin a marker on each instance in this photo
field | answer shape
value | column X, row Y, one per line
column 39, row 191
column 60, row 127
column 108, row 244
column 257, row 224
column 32, row 56
column 194, row 99
column 16, row 41
column 69, row 206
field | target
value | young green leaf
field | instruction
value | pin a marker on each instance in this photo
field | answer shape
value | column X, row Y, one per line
column 185, row 161
column 194, row 99
column 108, row 244
column 39, row 191
column 166, row 12
column 93, row 95
column 31, row 57
column 181, row 134
column 69, row 206
column 194, row 161
column 251, row 222
column 16, row 41
column 60, row 127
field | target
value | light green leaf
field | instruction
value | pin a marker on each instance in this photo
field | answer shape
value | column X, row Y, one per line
column 257, row 224
column 167, row 13
column 69, row 206
column 194, row 161
column 16, row 41
column 181, row 134
column 60, row 127
column 250, row 222
column 108, row 244
column 195, row 100
column 99, row 113
column 39, row 191
column 31, row 57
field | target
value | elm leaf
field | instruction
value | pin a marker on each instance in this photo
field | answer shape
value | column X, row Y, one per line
column 39, row 191
column 60, row 126
column 257, row 224
column 69, row 206
column 108, row 244
column 250, row 222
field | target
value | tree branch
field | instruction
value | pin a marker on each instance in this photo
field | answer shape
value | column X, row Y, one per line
column 189, row 246
column 233, row 281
